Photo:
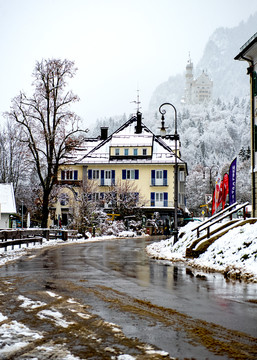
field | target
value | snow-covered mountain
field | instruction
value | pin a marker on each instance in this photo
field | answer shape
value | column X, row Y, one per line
column 229, row 76
column 213, row 134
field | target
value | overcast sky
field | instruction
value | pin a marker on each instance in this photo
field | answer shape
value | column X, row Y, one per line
column 119, row 46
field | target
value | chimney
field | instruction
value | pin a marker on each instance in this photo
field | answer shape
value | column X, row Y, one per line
column 139, row 123
column 104, row 133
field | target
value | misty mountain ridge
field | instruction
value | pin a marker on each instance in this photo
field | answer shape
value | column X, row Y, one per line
column 229, row 76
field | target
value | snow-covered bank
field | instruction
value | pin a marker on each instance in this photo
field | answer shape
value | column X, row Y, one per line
column 234, row 254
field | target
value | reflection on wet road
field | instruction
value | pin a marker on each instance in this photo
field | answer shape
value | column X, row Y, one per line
column 102, row 300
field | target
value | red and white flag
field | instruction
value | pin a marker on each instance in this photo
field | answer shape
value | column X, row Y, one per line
column 217, row 195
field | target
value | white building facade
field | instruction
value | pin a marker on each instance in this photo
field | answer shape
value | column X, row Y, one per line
column 7, row 205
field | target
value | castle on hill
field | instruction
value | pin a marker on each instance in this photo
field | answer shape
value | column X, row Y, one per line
column 199, row 90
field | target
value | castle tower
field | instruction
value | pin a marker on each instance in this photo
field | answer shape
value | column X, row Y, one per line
column 189, row 81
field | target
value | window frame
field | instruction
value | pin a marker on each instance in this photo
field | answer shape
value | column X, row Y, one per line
column 69, row 175
column 130, row 174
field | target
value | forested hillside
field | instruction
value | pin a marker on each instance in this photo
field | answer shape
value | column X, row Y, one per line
column 212, row 134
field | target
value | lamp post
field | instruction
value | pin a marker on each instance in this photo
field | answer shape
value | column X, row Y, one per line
column 210, row 178
column 176, row 138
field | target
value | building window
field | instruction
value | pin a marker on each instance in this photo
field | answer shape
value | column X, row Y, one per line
column 159, row 199
column 69, row 175
column 130, row 174
column 126, row 152
column 117, row 152
column 182, row 176
column 159, row 178
column 95, row 196
column 93, row 174
column 107, row 178
column 144, row 152
column 135, row 152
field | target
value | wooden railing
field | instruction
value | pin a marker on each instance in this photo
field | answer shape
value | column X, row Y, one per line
column 27, row 236
column 223, row 214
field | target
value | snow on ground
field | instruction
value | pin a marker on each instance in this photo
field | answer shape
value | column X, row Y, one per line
column 234, row 254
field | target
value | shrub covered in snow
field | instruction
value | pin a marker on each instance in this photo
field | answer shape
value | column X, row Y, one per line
column 112, row 228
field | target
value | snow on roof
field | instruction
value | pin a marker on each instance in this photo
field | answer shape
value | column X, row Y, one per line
column 7, row 200
column 126, row 136
column 144, row 139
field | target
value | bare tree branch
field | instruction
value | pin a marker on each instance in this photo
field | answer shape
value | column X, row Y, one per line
column 48, row 122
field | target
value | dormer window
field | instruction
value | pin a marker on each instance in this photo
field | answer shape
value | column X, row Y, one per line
column 117, row 152
column 126, row 152
column 135, row 152
column 144, row 152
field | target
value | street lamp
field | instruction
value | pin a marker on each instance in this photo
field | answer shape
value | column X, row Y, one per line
column 210, row 178
column 176, row 138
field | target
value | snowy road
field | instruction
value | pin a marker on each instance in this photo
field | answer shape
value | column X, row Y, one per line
column 107, row 300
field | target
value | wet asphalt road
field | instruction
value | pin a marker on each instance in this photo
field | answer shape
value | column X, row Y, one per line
column 115, row 300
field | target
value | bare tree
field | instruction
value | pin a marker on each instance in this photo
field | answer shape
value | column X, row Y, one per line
column 125, row 199
column 13, row 156
column 50, row 127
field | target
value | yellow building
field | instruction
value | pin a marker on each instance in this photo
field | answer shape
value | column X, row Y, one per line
column 131, row 160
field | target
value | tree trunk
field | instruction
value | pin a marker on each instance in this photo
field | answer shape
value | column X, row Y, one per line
column 45, row 210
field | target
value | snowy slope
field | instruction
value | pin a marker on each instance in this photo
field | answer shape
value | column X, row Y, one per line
column 234, row 254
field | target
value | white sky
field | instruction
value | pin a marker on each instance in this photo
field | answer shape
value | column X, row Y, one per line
column 119, row 46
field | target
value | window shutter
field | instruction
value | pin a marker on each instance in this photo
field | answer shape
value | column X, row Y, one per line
column 152, row 199
column 75, row 174
column 136, row 174
column 165, row 196
column 165, row 182
column 153, row 178
column 102, row 178
column 113, row 177
column 63, row 175
column 89, row 174
column 124, row 172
